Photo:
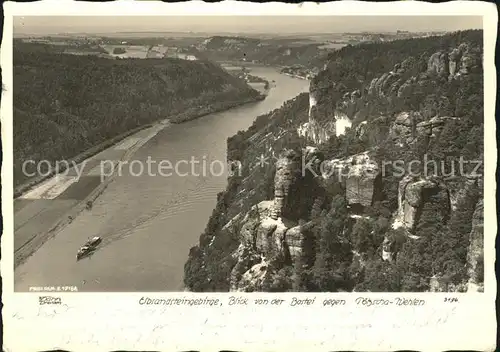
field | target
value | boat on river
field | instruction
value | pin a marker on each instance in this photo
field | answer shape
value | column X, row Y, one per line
column 88, row 248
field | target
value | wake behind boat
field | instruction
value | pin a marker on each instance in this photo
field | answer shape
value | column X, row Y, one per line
column 88, row 248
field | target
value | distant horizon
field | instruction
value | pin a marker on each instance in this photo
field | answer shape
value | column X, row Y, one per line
column 204, row 34
column 249, row 25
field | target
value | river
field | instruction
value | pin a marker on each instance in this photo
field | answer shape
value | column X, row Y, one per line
column 149, row 222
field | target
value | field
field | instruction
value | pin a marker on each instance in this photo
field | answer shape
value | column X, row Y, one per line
column 132, row 51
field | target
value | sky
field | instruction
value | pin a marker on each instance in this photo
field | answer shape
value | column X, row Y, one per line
column 43, row 25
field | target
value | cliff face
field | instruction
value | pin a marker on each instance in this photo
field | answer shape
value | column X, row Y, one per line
column 362, row 195
column 357, row 174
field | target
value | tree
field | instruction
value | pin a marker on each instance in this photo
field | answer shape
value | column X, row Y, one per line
column 332, row 248
column 302, row 275
column 380, row 276
column 451, row 250
column 361, row 235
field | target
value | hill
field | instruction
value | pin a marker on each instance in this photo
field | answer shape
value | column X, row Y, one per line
column 274, row 52
column 67, row 104
column 344, row 202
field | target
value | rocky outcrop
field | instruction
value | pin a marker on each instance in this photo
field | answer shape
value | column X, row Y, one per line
column 408, row 126
column 458, row 62
column 386, row 250
column 393, row 83
column 324, row 123
column 459, row 191
column 316, row 132
column 252, row 279
column 433, row 126
column 261, row 241
column 357, row 173
column 438, row 64
column 291, row 224
column 398, row 82
column 413, row 193
column 294, row 241
column 266, row 236
column 265, row 243
column 361, row 129
column 313, row 101
column 462, row 61
column 251, row 221
column 287, row 172
column 405, row 88
column 404, row 128
column 270, row 238
column 475, row 257
column 351, row 97
column 320, row 132
column 245, row 258
column 385, row 85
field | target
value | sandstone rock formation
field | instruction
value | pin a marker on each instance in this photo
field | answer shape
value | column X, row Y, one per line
column 294, row 241
column 316, row 132
column 291, row 223
column 405, row 87
column 462, row 61
column 287, row 172
column 408, row 126
column 325, row 120
column 458, row 62
column 266, row 236
column 357, row 173
column 413, row 193
column 245, row 259
column 361, row 129
column 264, row 242
column 351, row 96
column 254, row 278
column 270, row 237
column 261, row 241
column 393, row 83
column 385, row 84
column 386, row 250
column 331, row 124
column 438, row 63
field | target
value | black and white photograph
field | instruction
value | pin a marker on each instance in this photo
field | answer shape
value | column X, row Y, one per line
column 248, row 153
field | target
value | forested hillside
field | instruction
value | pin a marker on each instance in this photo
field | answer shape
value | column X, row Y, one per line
column 275, row 52
column 66, row 104
column 345, row 203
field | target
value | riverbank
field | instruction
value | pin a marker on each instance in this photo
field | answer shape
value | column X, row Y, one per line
column 29, row 185
column 148, row 224
column 277, row 67
column 189, row 114
column 30, row 247
column 33, row 244
column 199, row 112
column 296, row 76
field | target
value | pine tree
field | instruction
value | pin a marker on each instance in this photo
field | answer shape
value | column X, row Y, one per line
column 330, row 248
